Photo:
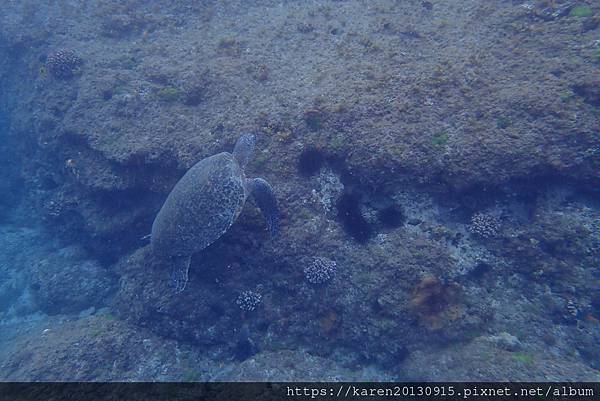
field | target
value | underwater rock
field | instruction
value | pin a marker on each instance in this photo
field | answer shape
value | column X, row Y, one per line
column 195, row 91
column 66, row 282
column 480, row 360
column 99, row 348
column 313, row 118
column 145, row 299
column 370, row 98
column 590, row 23
column 21, row 249
column 586, row 337
column 435, row 303
column 548, row 11
column 292, row 366
column 506, row 341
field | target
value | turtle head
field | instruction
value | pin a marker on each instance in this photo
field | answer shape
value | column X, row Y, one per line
column 244, row 149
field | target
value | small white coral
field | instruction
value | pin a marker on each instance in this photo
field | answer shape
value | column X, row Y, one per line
column 320, row 270
column 249, row 300
column 484, row 225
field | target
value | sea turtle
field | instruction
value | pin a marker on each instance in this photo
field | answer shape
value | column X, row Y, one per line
column 204, row 204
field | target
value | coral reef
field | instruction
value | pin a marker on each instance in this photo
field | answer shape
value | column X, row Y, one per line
column 447, row 157
column 63, row 63
column 65, row 282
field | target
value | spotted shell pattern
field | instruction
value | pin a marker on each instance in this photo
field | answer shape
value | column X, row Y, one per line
column 201, row 207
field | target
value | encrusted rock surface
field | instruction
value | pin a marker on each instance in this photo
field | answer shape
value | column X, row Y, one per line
column 98, row 348
column 438, row 114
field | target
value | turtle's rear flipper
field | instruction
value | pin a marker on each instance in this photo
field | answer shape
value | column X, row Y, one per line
column 265, row 199
column 179, row 273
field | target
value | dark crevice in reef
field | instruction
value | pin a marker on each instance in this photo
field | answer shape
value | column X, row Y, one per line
column 126, row 216
column 122, row 217
column 107, row 220
column 311, row 160
column 112, row 223
column 129, row 215
column 522, row 193
column 391, row 216
column 523, row 190
column 352, row 218
column 136, row 174
column 518, row 197
column 590, row 92
column 107, row 224
column 356, row 196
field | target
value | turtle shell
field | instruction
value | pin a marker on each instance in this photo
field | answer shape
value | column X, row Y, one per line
column 201, row 207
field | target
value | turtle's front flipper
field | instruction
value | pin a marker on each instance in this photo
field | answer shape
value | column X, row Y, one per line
column 265, row 199
column 179, row 273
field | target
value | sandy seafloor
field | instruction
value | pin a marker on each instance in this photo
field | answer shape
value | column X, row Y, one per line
column 444, row 154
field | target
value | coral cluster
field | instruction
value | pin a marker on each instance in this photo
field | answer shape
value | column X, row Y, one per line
column 320, row 270
column 249, row 300
column 484, row 225
column 62, row 63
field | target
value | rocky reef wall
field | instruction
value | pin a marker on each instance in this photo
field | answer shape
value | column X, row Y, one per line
column 443, row 157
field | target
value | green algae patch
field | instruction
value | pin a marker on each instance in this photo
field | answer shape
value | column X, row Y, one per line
column 440, row 139
column 566, row 96
column 337, row 143
column 169, row 94
column 523, row 358
column 503, row 122
column 581, row 12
